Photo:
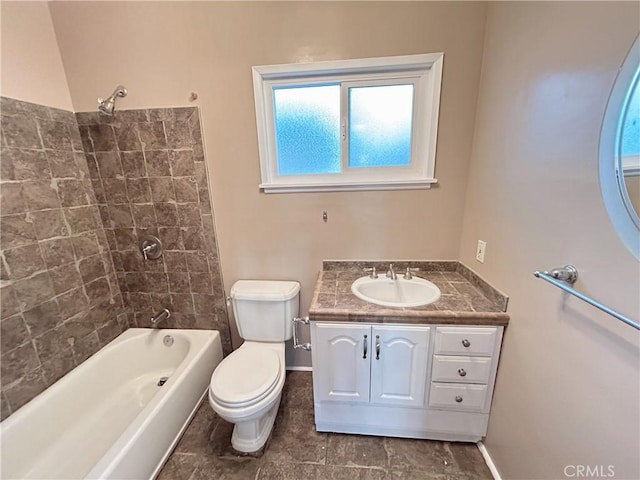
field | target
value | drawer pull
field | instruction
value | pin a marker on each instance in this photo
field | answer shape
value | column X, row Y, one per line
column 364, row 348
column 466, row 343
column 462, row 372
column 458, row 399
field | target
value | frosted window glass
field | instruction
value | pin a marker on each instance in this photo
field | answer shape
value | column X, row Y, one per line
column 380, row 121
column 307, row 122
column 631, row 124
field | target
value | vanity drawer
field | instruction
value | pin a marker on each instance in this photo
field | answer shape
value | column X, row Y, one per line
column 461, row 369
column 471, row 341
column 453, row 396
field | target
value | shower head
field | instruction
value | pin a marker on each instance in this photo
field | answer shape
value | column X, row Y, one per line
column 107, row 105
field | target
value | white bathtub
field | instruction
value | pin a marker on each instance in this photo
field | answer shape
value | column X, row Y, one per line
column 108, row 418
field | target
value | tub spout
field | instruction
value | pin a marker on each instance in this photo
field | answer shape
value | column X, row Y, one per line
column 159, row 317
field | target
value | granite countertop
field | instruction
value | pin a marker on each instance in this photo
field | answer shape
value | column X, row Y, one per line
column 466, row 299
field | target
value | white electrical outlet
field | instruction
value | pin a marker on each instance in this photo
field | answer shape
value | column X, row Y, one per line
column 482, row 247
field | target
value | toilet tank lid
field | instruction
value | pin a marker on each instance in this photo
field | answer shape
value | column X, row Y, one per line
column 264, row 290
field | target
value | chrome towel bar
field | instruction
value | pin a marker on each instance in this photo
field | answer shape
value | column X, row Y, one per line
column 566, row 276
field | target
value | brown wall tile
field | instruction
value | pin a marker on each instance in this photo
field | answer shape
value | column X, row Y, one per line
column 43, row 317
column 138, row 190
column 115, row 190
column 186, row 189
column 133, row 164
column 182, row 163
column 12, row 199
column 24, row 261
column 162, row 189
column 44, row 303
column 55, row 135
column 16, row 231
column 152, row 183
column 127, row 137
column 57, row 252
column 152, row 135
column 24, row 164
column 80, row 219
column 51, row 223
column 41, row 195
column 9, row 304
column 13, row 331
column 21, row 131
column 109, row 164
column 102, row 137
column 63, row 164
column 72, row 193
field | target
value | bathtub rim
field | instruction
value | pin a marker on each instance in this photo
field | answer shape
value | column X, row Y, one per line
column 111, row 458
column 200, row 343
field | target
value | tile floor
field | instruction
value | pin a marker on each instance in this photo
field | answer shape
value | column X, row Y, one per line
column 296, row 451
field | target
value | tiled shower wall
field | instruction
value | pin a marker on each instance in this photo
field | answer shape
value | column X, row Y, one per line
column 60, row 298
column 72, row 209
column 149, row 176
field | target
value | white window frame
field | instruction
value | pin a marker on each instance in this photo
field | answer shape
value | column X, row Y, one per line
column 423, row 71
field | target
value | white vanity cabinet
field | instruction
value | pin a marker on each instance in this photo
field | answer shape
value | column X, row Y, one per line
column 382, row 364
column 415, row 381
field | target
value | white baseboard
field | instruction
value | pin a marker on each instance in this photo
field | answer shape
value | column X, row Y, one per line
column 489, row 461
column 300, row 369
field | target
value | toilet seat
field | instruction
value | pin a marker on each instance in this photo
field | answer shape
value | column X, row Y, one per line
column 246, row 376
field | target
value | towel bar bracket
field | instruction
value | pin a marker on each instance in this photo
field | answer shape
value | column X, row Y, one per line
column 566, row 276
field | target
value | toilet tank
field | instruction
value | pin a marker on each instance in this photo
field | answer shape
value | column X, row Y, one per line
column 264, row 309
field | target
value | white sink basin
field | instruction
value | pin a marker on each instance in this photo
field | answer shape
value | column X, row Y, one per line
column 396, row 293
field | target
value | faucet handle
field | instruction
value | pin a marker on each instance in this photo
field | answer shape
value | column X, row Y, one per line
column 408, row 275
column 371, row 271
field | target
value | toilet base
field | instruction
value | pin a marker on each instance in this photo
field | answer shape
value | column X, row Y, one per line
column 249, row 437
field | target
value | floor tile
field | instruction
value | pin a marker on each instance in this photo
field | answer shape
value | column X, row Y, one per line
column 298, row 391
column 424, row 455
column 469, row 460
column 296, row 451
column 332, row 472
column 294, row 439
column 180, row 466
column 216, row 468
column 413, row 474
column 196, row 438
column 289, row 471
column 356, row 451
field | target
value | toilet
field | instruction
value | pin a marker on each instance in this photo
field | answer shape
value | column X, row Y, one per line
column 246, row 386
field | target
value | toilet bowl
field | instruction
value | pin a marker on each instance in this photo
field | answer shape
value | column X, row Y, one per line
column 246, row 386
column 246, row 389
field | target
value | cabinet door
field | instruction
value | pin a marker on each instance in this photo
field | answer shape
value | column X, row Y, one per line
column 342, row 362
column 399, row 370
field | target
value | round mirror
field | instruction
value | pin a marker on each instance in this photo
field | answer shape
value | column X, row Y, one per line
column 620, row 152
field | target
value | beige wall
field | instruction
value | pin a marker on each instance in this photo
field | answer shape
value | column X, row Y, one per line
column 568, row 384
column 30, row 66
column 163, row 51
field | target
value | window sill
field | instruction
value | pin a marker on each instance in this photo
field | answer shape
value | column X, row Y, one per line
column 348, row 187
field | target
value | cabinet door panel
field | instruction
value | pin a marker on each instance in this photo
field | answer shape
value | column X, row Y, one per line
column 399, row 372
column 342, row 369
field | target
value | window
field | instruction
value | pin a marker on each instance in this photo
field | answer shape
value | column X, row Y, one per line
column 367, row 124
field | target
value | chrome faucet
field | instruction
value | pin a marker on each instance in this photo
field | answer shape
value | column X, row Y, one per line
column 391, row 273
column 372, row 272
column 159, row 317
